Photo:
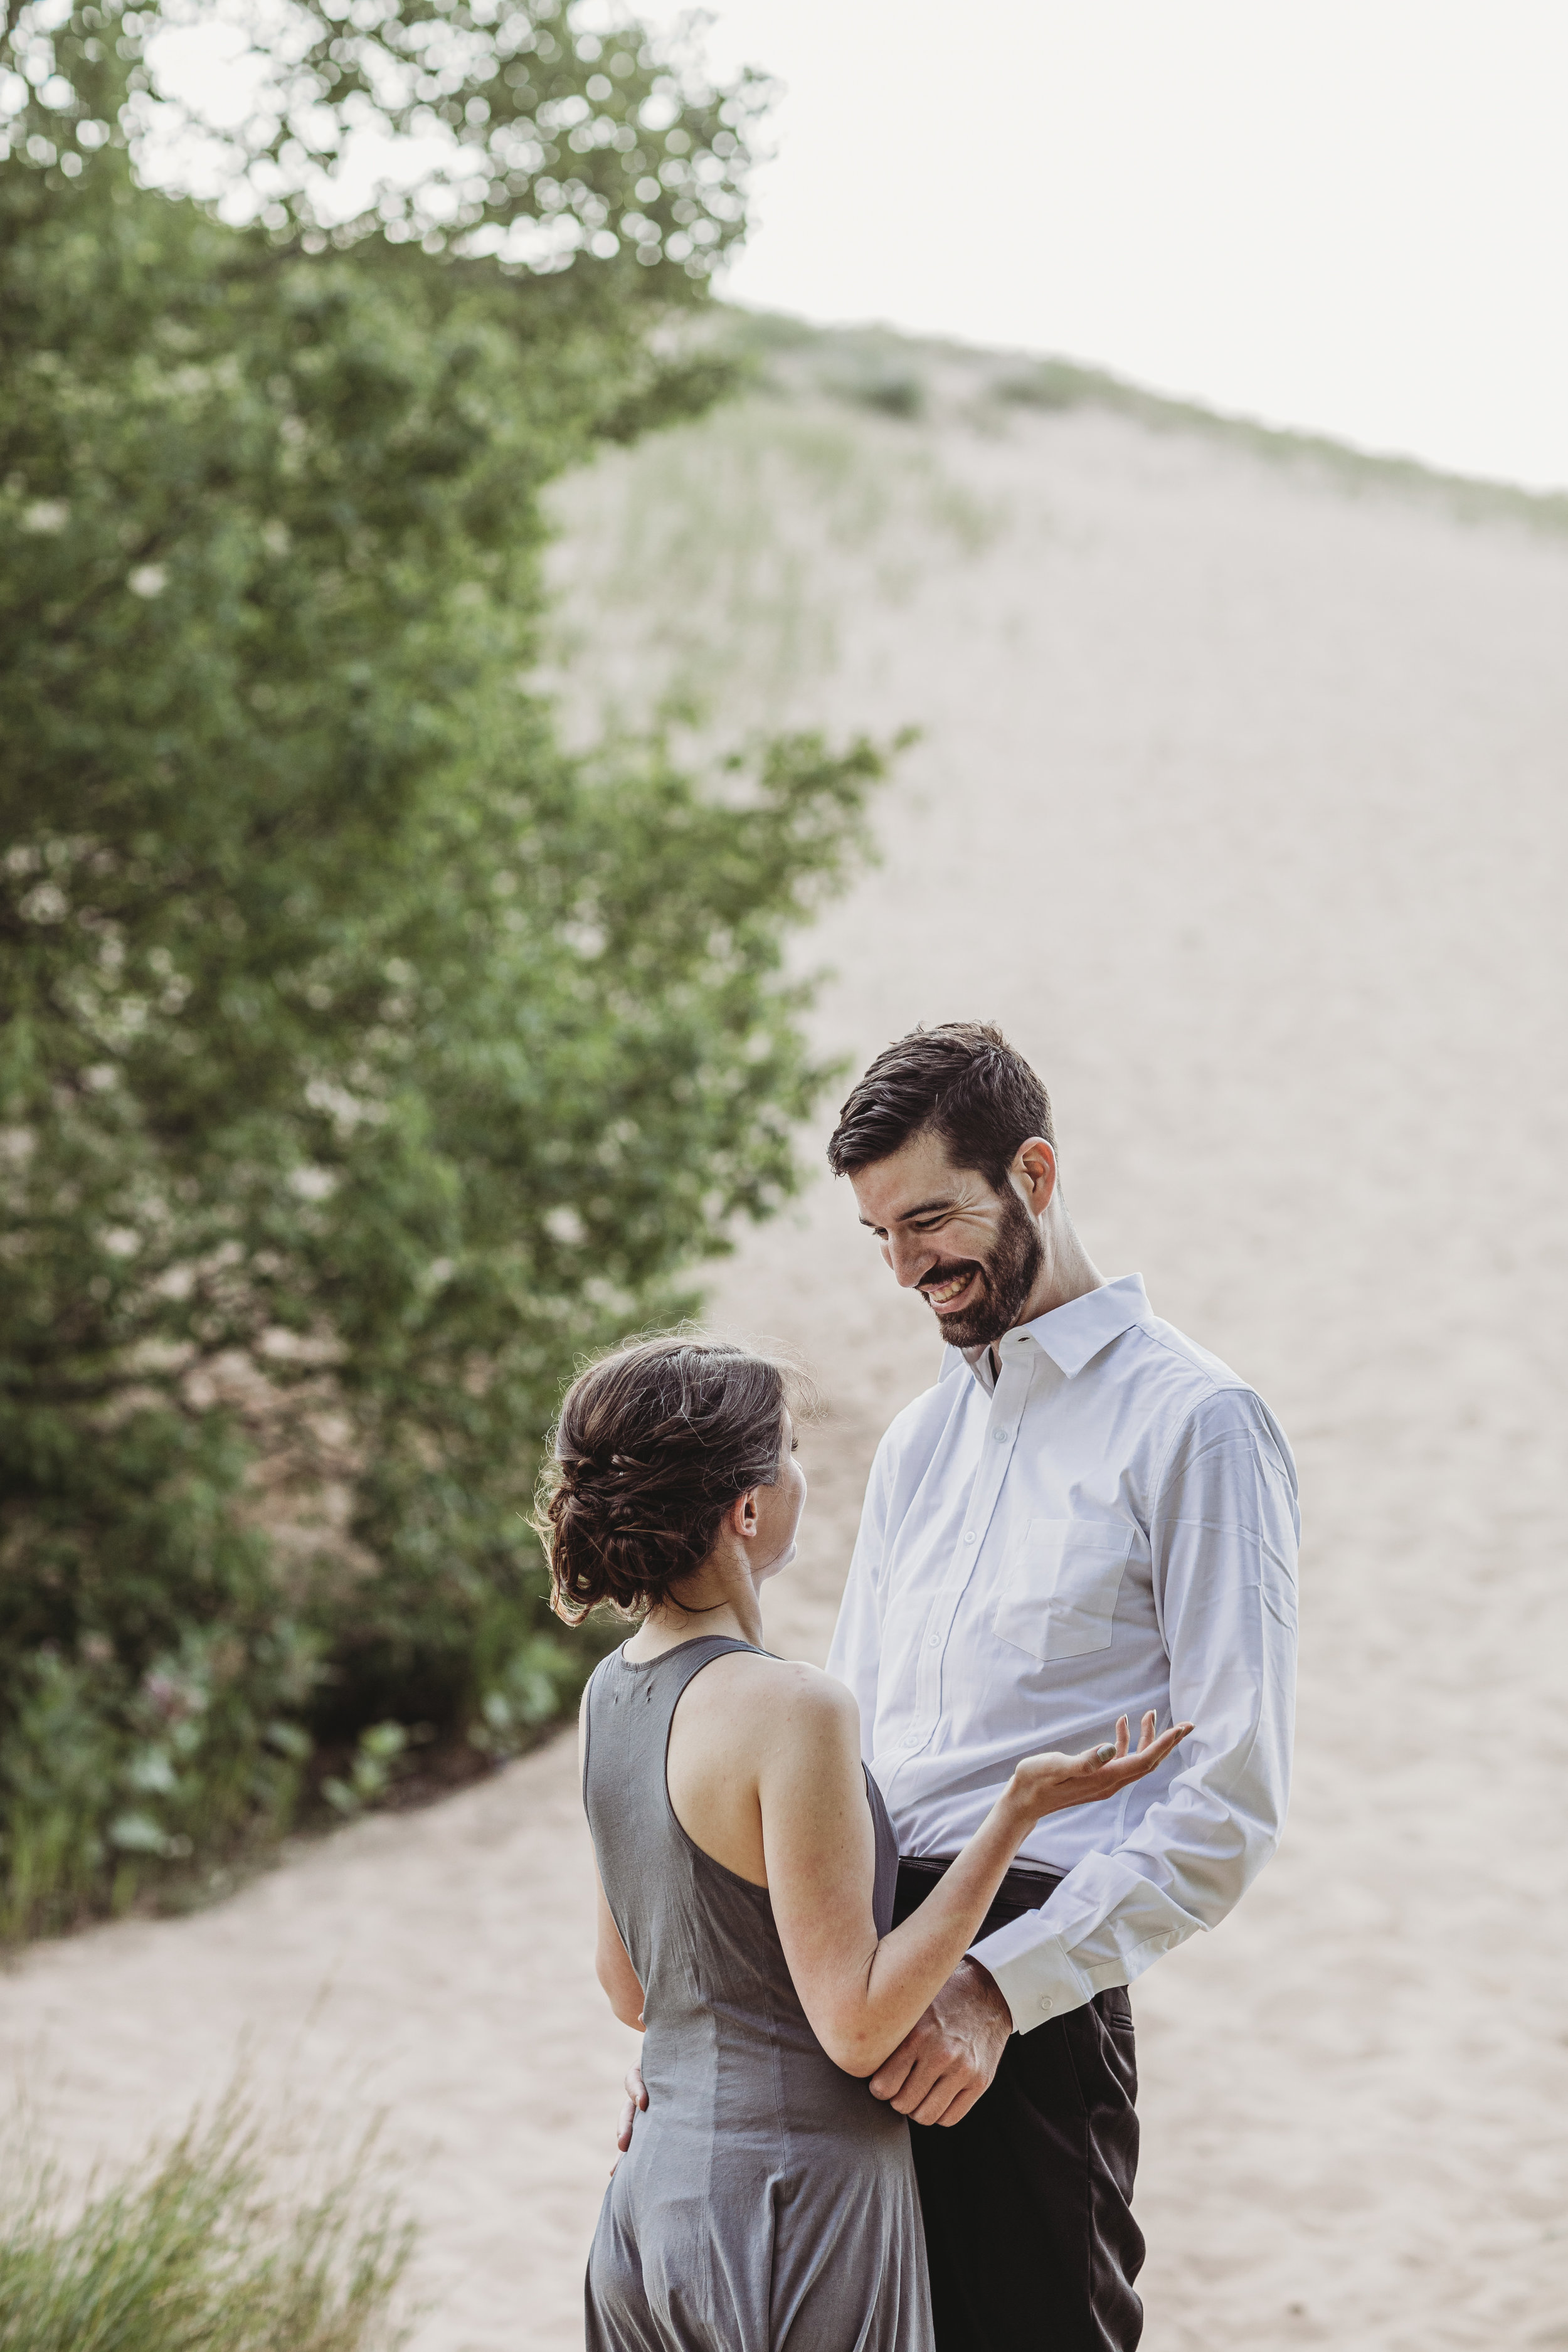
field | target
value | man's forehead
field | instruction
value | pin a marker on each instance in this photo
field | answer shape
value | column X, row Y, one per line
column 912, row 1182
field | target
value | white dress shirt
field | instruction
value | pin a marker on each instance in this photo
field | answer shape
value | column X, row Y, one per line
column 1110, row 1526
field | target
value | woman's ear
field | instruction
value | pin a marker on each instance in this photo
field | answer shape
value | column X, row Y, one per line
column 742, row 1513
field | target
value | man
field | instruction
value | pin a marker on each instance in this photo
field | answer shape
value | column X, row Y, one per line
column 1087, row 1517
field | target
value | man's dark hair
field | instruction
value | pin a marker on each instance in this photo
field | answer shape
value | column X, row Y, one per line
column 964, row 1082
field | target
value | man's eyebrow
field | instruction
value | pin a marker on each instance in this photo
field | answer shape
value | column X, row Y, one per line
column 921, row 1209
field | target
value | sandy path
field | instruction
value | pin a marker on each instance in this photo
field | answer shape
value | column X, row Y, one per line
column 1240, row 802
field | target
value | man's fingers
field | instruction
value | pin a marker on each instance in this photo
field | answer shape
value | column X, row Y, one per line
column 960, row 2106
column 893, row 2072
column 934, row 2108
column 916, row 2087
column 942, row 2098
column 921, row 2062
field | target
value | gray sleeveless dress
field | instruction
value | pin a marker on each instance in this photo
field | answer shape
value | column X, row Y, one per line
column 768, row 2201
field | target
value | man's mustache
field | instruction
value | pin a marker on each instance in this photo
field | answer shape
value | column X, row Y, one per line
column 935, row 1275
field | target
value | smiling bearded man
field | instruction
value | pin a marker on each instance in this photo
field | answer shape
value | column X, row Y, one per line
column 1085, row 1509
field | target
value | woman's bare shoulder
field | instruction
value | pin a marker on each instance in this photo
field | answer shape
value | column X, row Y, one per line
column 772, row 1693
column 788, row 1680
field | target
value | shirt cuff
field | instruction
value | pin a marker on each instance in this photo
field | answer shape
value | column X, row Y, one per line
column 1037, row 1982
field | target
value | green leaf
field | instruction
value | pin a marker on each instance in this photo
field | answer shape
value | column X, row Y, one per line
column 137, row 1833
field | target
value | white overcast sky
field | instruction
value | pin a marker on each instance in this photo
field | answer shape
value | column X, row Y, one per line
column 1350, row 215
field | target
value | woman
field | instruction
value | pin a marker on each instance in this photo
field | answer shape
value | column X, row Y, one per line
column 746, row 1865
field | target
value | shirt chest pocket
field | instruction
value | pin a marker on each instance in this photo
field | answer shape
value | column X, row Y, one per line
column 1060, row 1590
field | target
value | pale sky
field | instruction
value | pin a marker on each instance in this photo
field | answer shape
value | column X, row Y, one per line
column 1350, row 216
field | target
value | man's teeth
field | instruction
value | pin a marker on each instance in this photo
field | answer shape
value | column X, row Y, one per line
column 941, row 1291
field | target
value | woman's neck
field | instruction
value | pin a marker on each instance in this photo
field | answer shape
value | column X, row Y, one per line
column 729, row 1606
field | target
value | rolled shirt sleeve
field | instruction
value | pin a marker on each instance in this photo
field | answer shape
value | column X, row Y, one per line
column 1222, row 1530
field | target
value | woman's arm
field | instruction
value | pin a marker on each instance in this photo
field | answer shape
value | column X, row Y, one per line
column 862, row 1994
column 613, row 1967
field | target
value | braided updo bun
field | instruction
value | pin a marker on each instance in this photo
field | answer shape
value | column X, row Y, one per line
column 654, row 1444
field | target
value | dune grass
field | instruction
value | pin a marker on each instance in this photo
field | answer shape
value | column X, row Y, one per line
column 195, row 2252
column 879, row 367
column 702, row 572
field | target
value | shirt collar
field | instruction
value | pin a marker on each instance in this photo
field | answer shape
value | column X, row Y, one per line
column 1071, row 1336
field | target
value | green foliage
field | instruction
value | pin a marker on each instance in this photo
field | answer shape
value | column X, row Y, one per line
column 543, row 143
column 100, row 1777
column 197, row 2256
column 1048, row 384
column 521, row 1689
column 363, row 1059
column 875, row 379
column 376, row 1757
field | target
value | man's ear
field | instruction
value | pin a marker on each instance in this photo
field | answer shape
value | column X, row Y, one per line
column 1034, row 1165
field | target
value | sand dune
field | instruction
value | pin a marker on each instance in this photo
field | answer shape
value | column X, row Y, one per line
column 1239, row 800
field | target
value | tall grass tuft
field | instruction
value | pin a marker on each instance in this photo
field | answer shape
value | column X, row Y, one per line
column 198, row 2255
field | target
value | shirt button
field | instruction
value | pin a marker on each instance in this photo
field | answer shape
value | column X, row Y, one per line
column 969, row 1535
column 935, row 1642
column 1045, row 2006
column 1000, row 1435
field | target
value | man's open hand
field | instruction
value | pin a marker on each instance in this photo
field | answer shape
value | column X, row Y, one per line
column 946, row 2061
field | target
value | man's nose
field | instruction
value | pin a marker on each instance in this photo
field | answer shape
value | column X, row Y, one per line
column 909, row 1257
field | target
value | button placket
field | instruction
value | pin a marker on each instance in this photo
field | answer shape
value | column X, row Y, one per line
column 1007, row 1400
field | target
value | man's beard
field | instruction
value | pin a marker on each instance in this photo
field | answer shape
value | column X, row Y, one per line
column 1007, row 1278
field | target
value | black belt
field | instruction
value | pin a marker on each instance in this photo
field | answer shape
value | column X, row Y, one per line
column 1023, row 1887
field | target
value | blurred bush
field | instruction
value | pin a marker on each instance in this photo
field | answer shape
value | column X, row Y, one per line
column 364, row 1060
column 873, row 370
column 194, row 2254
column 1050, row 384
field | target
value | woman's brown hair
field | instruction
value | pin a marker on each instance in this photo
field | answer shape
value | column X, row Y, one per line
column 653, row 1445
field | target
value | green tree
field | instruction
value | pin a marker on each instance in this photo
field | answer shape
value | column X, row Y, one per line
column 363, row 1059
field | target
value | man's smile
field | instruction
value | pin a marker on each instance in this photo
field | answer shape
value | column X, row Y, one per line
column 945, row 1295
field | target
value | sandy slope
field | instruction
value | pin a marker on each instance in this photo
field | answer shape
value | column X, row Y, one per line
column 1240, row 801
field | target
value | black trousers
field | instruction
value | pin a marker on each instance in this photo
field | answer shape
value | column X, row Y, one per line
column 1027, row 2201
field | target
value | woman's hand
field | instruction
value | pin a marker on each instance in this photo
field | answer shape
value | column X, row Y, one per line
column 635, row 2101
column 1050, row 1783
